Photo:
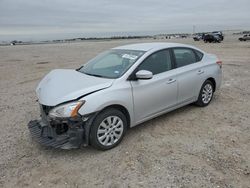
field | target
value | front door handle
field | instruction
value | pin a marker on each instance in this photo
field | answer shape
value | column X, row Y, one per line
column 200, row 71
column 171, row 80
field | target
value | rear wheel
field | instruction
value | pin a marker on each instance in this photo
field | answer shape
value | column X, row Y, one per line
column 108, row 129
column 206, row 94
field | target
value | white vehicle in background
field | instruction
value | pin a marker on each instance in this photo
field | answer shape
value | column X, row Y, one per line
column 244, row 38
column 121, row 88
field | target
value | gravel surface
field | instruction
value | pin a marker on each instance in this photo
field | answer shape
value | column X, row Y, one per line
column 189, row 147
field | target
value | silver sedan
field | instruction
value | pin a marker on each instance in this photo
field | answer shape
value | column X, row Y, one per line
column 121, row 88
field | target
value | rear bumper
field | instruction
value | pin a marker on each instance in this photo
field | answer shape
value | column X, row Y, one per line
column 47, row 135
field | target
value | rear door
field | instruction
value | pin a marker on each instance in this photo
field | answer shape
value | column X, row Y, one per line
column 190, row 73
column 159, row 93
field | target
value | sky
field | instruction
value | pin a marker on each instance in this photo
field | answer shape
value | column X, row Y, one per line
column 58, row 19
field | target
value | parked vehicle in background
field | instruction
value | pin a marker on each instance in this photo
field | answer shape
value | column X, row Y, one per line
column 218, row 33
column 197, row 37
column 212, row 38
column 121, row 88
column 215, row 36
column 244, row 38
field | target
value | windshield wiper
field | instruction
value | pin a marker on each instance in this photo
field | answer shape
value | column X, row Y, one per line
column 96, row 75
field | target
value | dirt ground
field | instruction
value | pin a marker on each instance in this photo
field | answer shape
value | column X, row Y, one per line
column 190, row 147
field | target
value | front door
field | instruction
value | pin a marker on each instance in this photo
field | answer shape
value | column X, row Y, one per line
column 159, row 93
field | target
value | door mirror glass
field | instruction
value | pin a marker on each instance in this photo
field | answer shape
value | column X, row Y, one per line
column 144, row 75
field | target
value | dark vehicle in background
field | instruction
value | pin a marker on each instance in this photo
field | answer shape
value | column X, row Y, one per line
column 212, row 38
column 215, row 36
column 245, row 38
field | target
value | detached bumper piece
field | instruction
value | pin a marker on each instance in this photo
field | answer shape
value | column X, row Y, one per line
column 64, row 135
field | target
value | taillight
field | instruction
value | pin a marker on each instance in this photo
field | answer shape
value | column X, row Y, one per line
column 219, row 63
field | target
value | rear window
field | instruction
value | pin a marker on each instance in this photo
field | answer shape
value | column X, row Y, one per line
column 184, row 56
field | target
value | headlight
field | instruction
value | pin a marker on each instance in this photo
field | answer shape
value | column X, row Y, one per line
column 66, row 110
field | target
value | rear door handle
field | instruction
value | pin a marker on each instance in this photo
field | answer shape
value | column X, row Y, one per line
column 200, row 71
column 171, row 80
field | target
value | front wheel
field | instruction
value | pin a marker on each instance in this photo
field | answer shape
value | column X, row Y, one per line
column 108, row 129
column 206, row 94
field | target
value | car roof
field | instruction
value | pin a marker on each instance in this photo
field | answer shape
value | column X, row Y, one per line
column 152, row 46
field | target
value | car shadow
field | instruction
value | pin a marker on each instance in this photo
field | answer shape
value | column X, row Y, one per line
column 148, row 123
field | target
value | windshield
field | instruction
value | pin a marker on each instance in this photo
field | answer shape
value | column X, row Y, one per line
column 111, row 64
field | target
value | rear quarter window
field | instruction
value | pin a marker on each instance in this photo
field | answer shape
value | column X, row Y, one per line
column 199, row 55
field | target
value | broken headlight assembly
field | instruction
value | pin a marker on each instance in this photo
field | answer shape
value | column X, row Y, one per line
column 66, row 110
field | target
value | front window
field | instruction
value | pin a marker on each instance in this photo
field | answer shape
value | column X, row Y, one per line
column 111, row 64
column 157, row 62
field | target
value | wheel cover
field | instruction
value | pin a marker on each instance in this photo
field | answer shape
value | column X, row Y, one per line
column 207, row 93
column 110, row 130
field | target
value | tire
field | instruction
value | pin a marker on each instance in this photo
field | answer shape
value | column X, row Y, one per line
column 206, row 94
column 108, row 129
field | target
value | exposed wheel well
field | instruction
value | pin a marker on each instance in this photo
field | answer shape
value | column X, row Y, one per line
column 213, row 82
column 122, row 109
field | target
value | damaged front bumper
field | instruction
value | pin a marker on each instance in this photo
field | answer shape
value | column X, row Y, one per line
column 66, row 133
column 60, row 135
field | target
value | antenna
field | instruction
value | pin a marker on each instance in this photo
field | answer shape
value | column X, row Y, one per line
column 193, row 29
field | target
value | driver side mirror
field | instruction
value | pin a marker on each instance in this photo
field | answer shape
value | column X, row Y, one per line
column 144, row 75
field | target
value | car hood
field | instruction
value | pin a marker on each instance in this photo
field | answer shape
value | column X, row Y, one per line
column 62, row 85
